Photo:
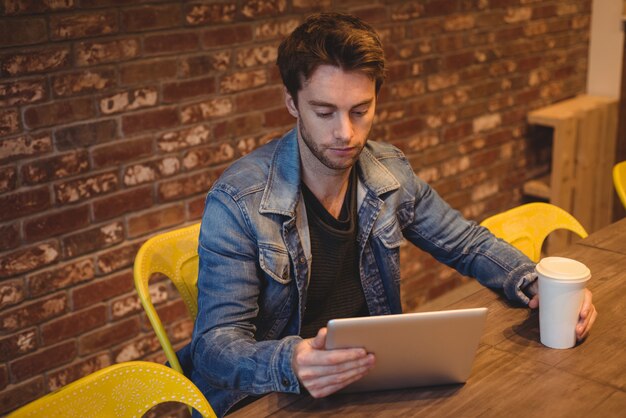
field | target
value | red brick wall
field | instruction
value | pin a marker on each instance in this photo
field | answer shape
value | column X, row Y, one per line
column 117, row 115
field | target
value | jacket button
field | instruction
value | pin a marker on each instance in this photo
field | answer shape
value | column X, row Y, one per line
column 302, row 260
column 285, row 382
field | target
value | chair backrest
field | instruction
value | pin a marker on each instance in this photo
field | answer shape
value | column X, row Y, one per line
column 175, row 255
column 527, row 226
column 122, row 390
column 619, row 181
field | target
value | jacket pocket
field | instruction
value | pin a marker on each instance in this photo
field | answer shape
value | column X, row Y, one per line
column 390, row 235
column 275, row 263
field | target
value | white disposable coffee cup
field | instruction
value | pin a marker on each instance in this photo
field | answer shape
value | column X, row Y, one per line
column 561, row 290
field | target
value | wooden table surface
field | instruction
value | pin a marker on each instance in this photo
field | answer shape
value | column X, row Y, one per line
column 513, row 374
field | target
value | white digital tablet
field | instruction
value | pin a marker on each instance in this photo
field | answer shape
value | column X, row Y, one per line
column 413, row 349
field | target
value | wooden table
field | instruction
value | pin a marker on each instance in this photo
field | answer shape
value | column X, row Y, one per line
column 513, row 375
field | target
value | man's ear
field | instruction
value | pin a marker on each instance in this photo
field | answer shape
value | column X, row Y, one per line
column 290, row 103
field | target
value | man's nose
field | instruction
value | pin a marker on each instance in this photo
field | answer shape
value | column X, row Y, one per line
column 343, row 128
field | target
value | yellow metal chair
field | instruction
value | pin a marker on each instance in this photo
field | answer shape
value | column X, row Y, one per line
column 123, row 390
column 527, row 226
column 619, row 181
column 174, row 254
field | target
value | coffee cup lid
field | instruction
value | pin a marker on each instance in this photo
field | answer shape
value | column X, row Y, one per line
column 561, row 268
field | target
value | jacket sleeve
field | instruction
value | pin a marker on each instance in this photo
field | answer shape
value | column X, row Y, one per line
column 223, row 347
column 467, row 247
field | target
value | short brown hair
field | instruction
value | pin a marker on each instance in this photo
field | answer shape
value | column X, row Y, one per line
column 336, row 39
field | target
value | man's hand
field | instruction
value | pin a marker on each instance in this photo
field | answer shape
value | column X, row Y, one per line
column 587, row 316
column 322, row 371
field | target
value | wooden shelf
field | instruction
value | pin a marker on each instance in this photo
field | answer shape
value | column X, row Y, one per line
column 538, row 188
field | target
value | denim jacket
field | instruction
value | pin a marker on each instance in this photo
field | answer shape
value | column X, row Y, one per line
column 255, row 261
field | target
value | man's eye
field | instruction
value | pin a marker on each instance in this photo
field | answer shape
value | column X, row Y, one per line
column 324, row 115
column 359, row 113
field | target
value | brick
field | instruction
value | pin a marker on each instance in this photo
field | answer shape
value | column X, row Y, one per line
column 440, row 7
column 61, row 277
column 152, row 170
column 278, row 118
column 226, row 35
column 129, row 100
column 243, row 80
column 91, row 53
column 248, row 144
column 84, row 81
column 518, row 14
column 457, row 131
column 118, row 258
column 203, row 14
column 27, row 259
column 22, row 92
column 14, row 32
column 109, row 336
column 181, row 331
column 56, row 167
column 206, row 110
column 24, row 202
column 409, row 88
column 442, row 81
column 81, row 25
column 73, row 324
column 195, row 208
column 161, row 218
column 256, row 56
column 125, row 306
column 209, row 156
column 68, row 373
column 258, row 99
column 29, row 314
column 86, row 135
column 4, row 377
column 148, row 71
column 275, row 29
column 161, row 118
column 11, row 293
column 137, row 348
column 21, row 394
column 93, row 239
column 486, row 122
column 55, row 223
column 128, row 201
column 170, row 43
column 184, row 138
column 151, row 17
column 407, row 127
column 59, row 112
column 12, row 7
column 190, row 185
column 255, row 9
column 101, row 289
column 9, row 236
column 36, row 363
column 35, row 61
column 241, row 125
column 9, row 121
column 85, row 188
column 181, row 90
column 119, row 152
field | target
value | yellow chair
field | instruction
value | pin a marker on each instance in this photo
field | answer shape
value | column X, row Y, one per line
column 527, row 226
column 174, row 254
column 123, row 390
column 619, row 181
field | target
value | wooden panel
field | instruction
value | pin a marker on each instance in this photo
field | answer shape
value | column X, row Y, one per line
column 583, row 152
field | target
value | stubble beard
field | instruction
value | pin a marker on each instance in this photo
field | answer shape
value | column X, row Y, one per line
column 318, row 152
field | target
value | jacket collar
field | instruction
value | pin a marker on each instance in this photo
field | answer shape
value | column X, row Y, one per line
column 282, row 192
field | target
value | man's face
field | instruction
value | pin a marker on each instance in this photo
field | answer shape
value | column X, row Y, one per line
column 335, row 113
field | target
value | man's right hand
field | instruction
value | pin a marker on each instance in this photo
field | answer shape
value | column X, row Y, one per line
column 322, row 371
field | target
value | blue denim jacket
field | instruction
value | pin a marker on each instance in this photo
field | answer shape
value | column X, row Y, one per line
column 255, row 261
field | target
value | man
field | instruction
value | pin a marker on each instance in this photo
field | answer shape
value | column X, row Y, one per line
column 308, row 227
